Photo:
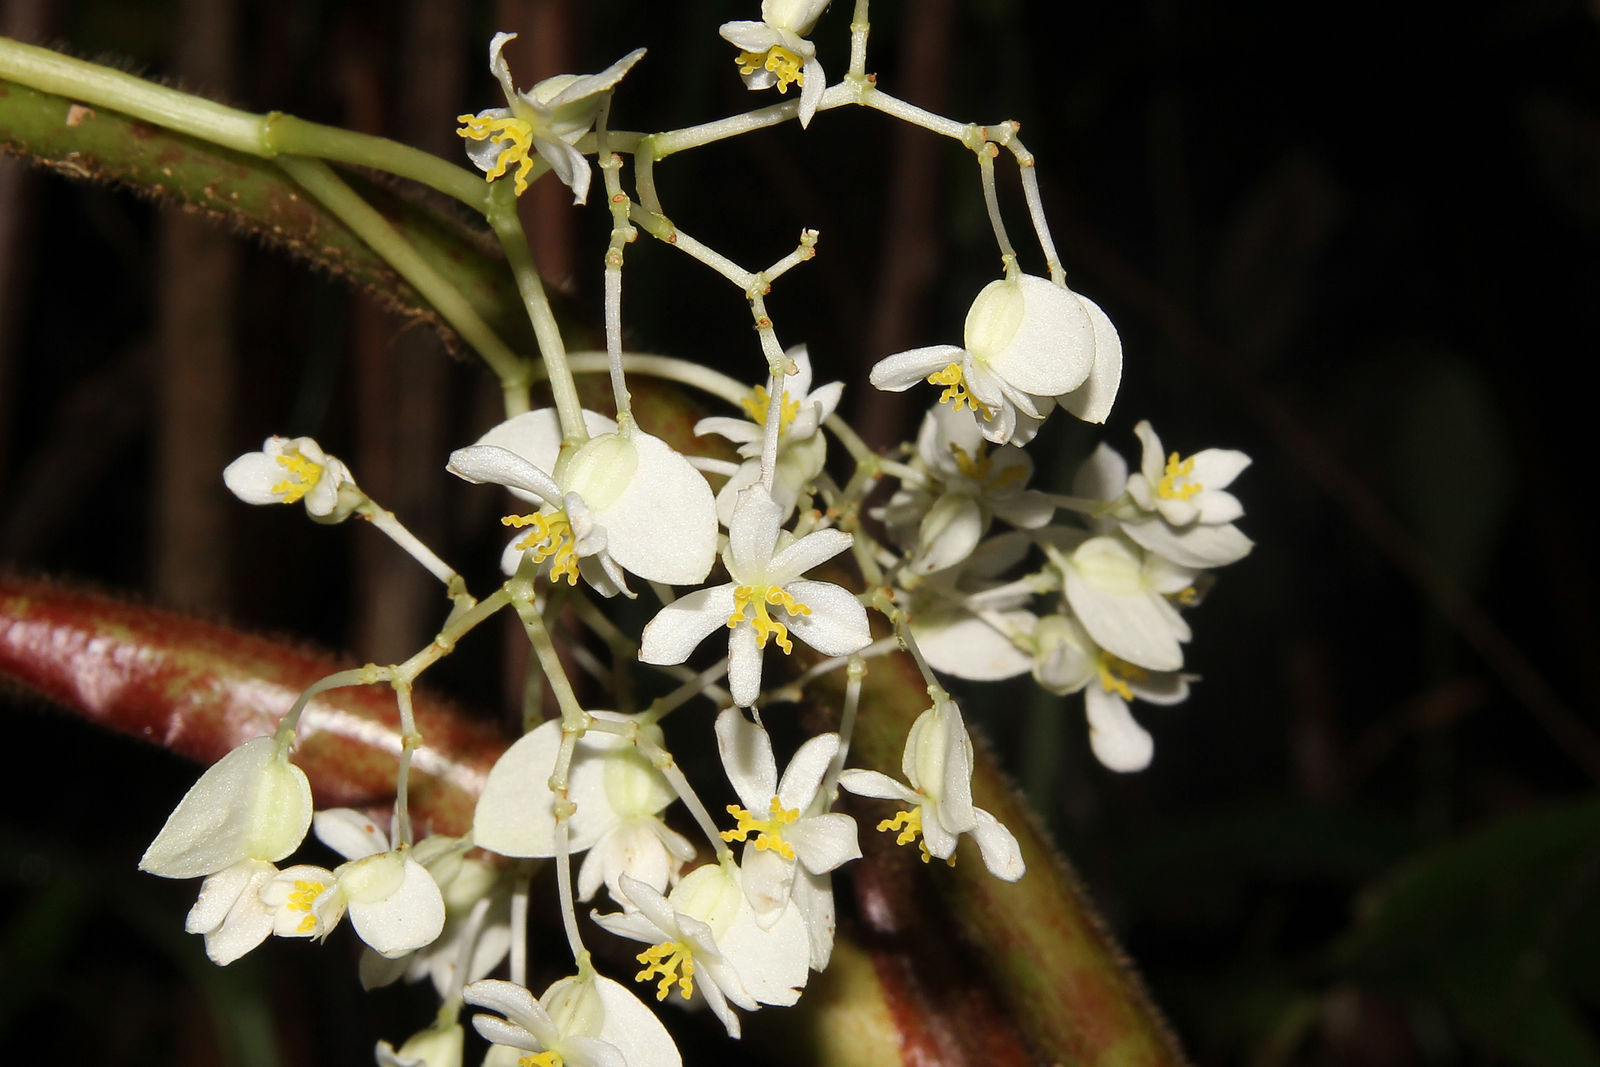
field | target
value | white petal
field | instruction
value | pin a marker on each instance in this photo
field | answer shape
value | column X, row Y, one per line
column 864, row 783
column 1103, row 475
column 590, row 84
column 350, row 833
column 678, row 628
column 767, row 878
column 1119, row 742
column 823, row 842
column 813, row 549
column 634, row 1029
column 964, row 645
column 749, row 36
column 901, row 371
column 568, row 164
column 999, row 848
column 1052, row 350
column 1197, row 546
column 837, row 625
column 746, row 752
column 663, row 527
column 407, row 919
column 744, row 665
column 1092, row 401
column 813, row 898
column 252, row 476
column 248, row 805
column 948, row 533
column 753, row 534
column 739, row 431
column 1103, row 585
column 803, row 777
column 491, row 464
column 772, row 963
column 811, row 89
column 514, row 816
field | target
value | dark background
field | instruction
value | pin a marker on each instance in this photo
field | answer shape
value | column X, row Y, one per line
column 1357, row 241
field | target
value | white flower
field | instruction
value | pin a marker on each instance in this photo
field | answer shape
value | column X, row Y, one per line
column 394, row 903
column 766, row 570
column 938, row 764
column 579, row 1022
column 970, row 486
column 774, row 51
column 437, row 1046
column 966, row 623
column 248, row 810
column 618, row 795
column 784, row 824
column 705, row 933
column 1066, row 660
column 1183, row 511
column 802, row 449
column 1026, row 339
column 289, row 470
column 1123, row 599
column 464, row 883
column 548, row 119
column 622, row 501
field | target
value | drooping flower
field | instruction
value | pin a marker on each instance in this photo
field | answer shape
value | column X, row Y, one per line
column 1123, row 597
column 784, row 824
column 291, row 470
column 969, row 485
column 704, row 935
column 248, row 810
column 579, row 1022
column 767, row 599
column 393, row 902
column 622, row 501
column 937, row 763
column 548, row 119
column 618, row 794
column 775, row 51
column 1067, row 661
column 1026, row 338
column 802, row 448
column 465, row 884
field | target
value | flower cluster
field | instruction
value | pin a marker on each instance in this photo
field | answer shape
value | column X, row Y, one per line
column 973, row 571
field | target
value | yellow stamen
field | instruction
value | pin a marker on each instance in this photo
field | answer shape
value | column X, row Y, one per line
column 1115, row 674
column 909, row 823
column 777, row 59
column 667, row 959
column 304, row 895
column 754, row 599
column 755, row 405
column 303, row 477
column 979, row 466
column 542, row 1059
column 769, row 829
column 515, row 138
column 955, row 390
column 1169, row 489
column 551, row 536
column 1187, row 596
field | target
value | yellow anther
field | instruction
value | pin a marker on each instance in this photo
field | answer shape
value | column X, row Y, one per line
column 1187, row 596
column 755, row 405
column 754, row 600
column 674, row 962
column 770, row 829
column 909, row 823
column 784, row 64
column 542, row 1059
column 304, row 895
column 1178, row 471
column 955, row 390
column 979, row 466
column 515, row 138
column 551, row 536
column 1115, row 674
column 303, row 476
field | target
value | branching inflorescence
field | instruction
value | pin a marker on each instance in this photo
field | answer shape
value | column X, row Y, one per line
column 975, row 574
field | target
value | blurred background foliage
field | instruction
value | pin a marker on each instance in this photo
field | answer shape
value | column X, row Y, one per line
column 1358, row 242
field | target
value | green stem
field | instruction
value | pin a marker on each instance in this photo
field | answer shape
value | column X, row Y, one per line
column 318, row 179
column 508, row 228
column 289, row 135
